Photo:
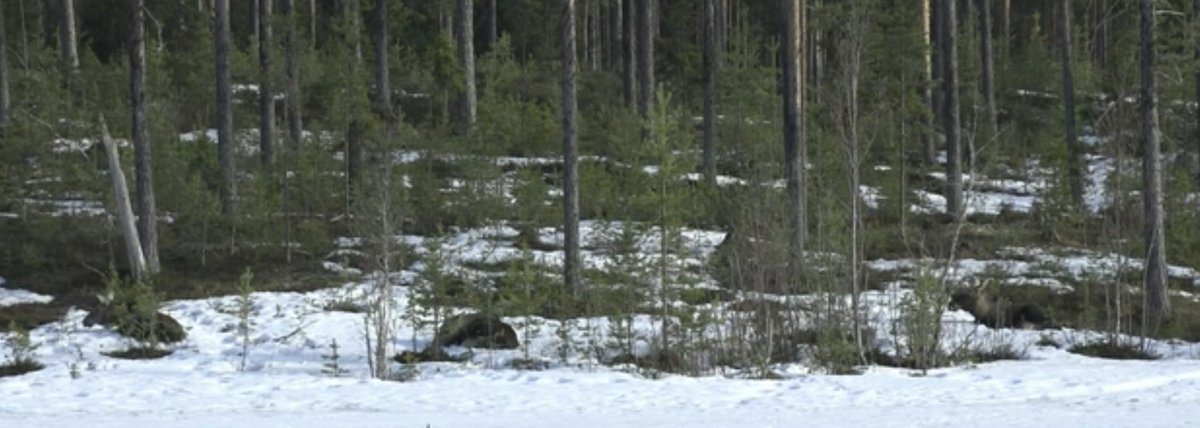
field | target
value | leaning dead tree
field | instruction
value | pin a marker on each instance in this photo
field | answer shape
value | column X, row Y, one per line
column 133, row 245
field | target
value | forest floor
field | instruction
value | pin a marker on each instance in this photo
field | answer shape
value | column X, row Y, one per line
column 283, row 378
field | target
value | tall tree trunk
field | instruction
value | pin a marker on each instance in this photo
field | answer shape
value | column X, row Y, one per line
column 147, row 210
column 49, row 23
column 5, row 103
column 710, row 91
column 722, row 26
column 491, row 25
column 629, row 55
column 616, row 35
column 294, row 113
column 255, row 23
column 932, row 74
column 68, row 46
column 465, row 33
column 1100, row 34
column 1158, row 306
column 595, row 56
column 645, row 60
column 312, row 22
column 1075, row 157
column 988, row 72
column 24, row 36
column 794, row 130
column 226, row 147
column 570, row 114
column 1196, row 24
column 949, row 33
column 383, row 91
column 266, row 93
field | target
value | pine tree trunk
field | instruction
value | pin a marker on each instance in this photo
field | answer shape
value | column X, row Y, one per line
column 383, row 91
column 616, row 35
column 794, row 130
column 1100, row 34
column 5, row 103
column 266, row 93
column 1075, row 157
column 595, row 55
column 226, row 147
column 629, row 53
column 68, row 45
column 49, row 23
column 24, row 36
column 645, row 61
column 1158, row 307
column 988, row 72
column 292, row 64
column 710, row 91
column 722, row 26
column 491, row 27
column 465, row 33
column 147, row 210
column 949, row 30
column 1196, row 20
column 570, row 113
column 932, row 73
column 312, row 22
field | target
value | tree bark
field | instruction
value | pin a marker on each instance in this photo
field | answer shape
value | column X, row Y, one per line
column 147, row 210
column 629, row 53
column 226, row 150
column 932, row 74
column 491, row 25
column 616, row 35
column 949, row 30
column 294, row 100
column 383, row 91
column 1196, row 24
column 49, row 23
column 570, row 113
column 5, row 102
column 794, row 130
column 988, row 72
column 465, row 33
column 1158, row 306
column 595, row 55
column 645, row 60
column 710, row 91
column 67, row 41
column 1075, row 152
column 266, row 93
column 1100, row 36
column 133, row 245
column 722, row 26
column 312, row 22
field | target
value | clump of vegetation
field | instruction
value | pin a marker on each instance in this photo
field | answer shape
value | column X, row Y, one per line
column 133, row 308
column 333, row 361
column 20, row 353
column 1114, row 349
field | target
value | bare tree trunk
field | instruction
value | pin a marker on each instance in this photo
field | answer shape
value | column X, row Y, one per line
column 710, row 91
column 49, row 22
column 645, row 61
column 1196, row 24
column 1075, row 152
column 24, row 36
column 930, row 76
column 721, row 19
column 383, row 91
column 1100, row 34
column 616, row 35
column 794, row 130
column 1158, row 306
column 465, row 33
column 226, row 150
column 292, row 64
column 491, row 25
column 68, row 46
column 595, row 55
column 133, row 245
column 629, row 53
column 266, row 93
column 570, row 114
column 949, row 30
column 312, row 22
column 5, row 102
column 988, row 73
column 255, row 23
column 147, row 210
column 1006, row 25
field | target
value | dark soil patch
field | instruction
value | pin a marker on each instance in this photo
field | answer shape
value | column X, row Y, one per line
column 17, row 368
column 139, row 353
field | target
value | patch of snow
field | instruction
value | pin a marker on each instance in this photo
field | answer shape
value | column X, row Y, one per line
column 10, row 297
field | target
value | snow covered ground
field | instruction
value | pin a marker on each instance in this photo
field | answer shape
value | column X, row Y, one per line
column 283, row 385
